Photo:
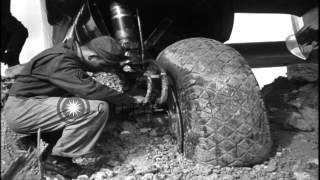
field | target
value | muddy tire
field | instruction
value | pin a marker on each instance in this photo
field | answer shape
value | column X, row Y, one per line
column 224, row 119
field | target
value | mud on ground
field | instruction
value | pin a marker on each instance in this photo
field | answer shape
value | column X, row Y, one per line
column 134, row 149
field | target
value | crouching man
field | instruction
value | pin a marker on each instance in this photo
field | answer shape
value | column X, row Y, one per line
column 53, row 92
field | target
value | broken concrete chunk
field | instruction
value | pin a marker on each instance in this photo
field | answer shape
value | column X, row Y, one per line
column 295, row 121
column 303, row 72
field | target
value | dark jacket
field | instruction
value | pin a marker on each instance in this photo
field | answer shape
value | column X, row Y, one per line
column 58, row 72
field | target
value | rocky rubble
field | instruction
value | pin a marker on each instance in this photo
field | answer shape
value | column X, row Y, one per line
column 111, row 80
column 149, row 153
column 303, row 72
column 292, row 104
column 128, row 150
column 133, row 148
column 139, row 155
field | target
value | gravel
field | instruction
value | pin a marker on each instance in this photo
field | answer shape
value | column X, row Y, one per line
column 111, row 80
column 135, row 151
column 142, row 156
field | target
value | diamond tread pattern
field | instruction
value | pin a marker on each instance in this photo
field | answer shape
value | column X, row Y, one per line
column 225, row 122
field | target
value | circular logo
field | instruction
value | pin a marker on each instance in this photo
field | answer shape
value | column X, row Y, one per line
column 72, row 109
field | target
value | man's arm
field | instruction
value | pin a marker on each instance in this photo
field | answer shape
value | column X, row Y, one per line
column 68, row 75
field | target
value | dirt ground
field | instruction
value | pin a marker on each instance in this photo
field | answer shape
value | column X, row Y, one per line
column 149, row 153
column 139, row 149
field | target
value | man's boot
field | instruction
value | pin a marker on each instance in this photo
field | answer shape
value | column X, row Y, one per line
column 61, row 165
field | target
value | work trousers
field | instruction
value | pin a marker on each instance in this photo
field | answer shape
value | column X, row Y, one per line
column 27, row 115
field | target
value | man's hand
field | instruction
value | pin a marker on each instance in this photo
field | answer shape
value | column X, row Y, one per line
column 139, row 100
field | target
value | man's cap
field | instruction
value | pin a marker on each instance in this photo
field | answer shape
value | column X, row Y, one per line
column 107, row 48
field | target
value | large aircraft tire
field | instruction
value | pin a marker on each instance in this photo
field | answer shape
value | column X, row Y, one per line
column 223, row 115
